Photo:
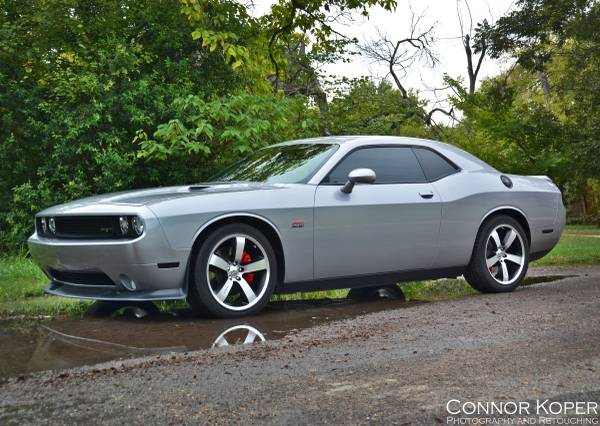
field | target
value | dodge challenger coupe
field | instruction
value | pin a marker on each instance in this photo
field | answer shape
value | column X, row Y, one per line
column 335, row 212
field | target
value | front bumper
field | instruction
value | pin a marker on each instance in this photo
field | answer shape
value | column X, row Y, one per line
column 146, row 268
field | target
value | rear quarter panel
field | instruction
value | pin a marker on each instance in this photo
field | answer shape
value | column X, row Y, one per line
column 469, row 197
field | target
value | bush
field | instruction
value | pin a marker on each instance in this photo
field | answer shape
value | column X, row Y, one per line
column 78, row 81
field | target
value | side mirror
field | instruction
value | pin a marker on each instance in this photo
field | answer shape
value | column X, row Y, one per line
column 358, row 176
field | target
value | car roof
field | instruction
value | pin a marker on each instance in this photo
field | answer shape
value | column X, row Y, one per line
column 360, row 140
column 460, row 157
column 328, row 140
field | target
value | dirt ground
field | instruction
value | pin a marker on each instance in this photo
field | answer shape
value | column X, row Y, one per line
column 399, row 366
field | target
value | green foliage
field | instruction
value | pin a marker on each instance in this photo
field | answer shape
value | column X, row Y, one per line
column 366, row 108
column 219, row 131
column 314, row 17
column 76, row 82
column 558, row 41
column 257, row 47
column 227, row 29
column 113, row 94
column 506, row 126
column 530, row 31
column 541, row 116
column 83, row 84
column 575, row 74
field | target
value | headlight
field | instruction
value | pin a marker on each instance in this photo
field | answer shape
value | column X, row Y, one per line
column 124, row 225
column 52, row 225
column 137, row 224
column 44, row 225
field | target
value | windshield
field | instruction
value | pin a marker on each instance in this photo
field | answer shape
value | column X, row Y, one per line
column 280, row 164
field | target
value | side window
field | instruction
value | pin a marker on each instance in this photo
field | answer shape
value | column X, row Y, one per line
column 390, row 164
column 434, row 165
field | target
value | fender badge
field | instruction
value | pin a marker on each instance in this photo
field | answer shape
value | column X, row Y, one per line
column 297, row 224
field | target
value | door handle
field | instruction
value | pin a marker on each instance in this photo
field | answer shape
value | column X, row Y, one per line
column 426, row 195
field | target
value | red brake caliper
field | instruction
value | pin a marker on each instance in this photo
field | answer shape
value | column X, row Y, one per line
column 246, row 258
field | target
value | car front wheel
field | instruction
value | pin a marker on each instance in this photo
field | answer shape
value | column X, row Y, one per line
column 234, row 272
column 500, row 256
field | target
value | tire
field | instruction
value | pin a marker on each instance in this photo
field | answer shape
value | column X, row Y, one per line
column 221, row 284
column 498, row 269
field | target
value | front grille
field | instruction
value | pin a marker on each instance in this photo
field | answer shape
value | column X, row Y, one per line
column 85, row 227
column 82, row 278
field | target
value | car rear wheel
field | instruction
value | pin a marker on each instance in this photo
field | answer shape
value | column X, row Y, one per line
column 500, row 256
column 234, row 273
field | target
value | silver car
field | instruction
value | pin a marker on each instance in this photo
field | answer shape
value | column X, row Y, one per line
column 304, row 215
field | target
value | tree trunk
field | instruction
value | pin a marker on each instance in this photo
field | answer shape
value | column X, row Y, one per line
column 543, row 76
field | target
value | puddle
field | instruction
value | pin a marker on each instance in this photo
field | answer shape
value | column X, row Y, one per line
column 537, row 279
column 28, row 346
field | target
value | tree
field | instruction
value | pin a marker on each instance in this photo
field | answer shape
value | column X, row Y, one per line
column 221, row 130
column 401, row 54
column 95, row 95
column 367, row 108
column 260, row 49
column 534, row 28
column 475, row 42
column 559, row 40
column 519, row 134
column 77, row 79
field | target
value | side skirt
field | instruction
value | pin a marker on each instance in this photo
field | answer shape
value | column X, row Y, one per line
column 370, row 280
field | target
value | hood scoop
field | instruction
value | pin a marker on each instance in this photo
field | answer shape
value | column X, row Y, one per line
column 192, row 188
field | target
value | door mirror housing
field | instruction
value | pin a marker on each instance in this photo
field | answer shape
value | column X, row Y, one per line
column 358, row 176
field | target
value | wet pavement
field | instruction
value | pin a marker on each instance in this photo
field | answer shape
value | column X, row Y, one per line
column 395, row 366
column 28, row 346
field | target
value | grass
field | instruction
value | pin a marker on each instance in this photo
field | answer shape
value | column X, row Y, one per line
column 21, row 284
column 437, row 290
column 21, row 281
column 575, row 248
column 312, row 295
column 582, row 229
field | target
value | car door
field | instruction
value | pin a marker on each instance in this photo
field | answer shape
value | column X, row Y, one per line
column 390, row 225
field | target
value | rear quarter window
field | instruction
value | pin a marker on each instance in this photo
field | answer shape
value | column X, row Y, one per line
column 434, row 165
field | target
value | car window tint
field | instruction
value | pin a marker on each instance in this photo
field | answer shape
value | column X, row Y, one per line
column 434, row 165
column 390, row 164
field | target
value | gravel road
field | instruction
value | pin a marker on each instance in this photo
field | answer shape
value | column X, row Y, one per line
column 394, row 367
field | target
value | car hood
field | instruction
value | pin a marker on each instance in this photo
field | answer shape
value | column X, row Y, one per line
column 142, row 197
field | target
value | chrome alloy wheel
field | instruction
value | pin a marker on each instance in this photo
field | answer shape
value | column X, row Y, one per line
column 238, row 272
column 505, row 254
column 239, row 334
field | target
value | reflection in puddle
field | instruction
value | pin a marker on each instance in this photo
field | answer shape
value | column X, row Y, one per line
column 233, row 334
column 27, row 346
